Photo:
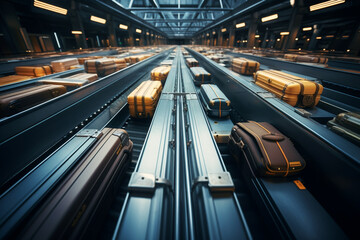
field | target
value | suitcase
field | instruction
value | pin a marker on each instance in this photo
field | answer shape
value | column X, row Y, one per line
column 166, row 62
column 80, row 199
column 64, row 64
column 245, row 66
column 200, row 75
column 296, row 91
column 291, row 57
column 20, row 99
column 347, row 125
column 75, row 67
column 160, row 73
column 142, row 101
column 33, row 71
column 311, row 59
column 127, row 60
column 267, row 151
column 84, row 76
column 82, row 60
column 75, row 83
column 192, row 62
column 120, row 63
column 101, row 67
column 13, row 79
column 214, row 101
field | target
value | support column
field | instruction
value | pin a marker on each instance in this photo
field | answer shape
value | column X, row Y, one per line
column 354, row 44
column 263, row 44
column 141, row 42
column 294, row 26
column 77, row 25
column 313, row 40
column 219, row 37
column 232, row 35
column 211, row 38
column 252, row 31
column 131, row 36
column 15, row 36
column 112, row 31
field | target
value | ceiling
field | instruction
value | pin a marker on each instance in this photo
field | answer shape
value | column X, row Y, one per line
column 180, row 18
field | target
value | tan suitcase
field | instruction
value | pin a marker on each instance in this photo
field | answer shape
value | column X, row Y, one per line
column 120, row 63
column 101, row 67
column 160, row 73
column 64, row 64
column 142, row 101
column 245, row 66
column 192, row 62
column 293, row 90
column 84, row 76
column 13, row 79
column 34, row 71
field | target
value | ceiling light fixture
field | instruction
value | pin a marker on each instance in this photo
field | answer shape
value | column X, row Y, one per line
column 50, row 7
column 269, row 18
column 326, row 4
column 98, row 20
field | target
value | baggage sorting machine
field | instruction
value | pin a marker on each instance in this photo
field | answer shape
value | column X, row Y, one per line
column 330, row 179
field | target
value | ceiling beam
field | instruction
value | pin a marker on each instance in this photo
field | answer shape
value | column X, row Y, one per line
column 161, row 9
column 178, row 20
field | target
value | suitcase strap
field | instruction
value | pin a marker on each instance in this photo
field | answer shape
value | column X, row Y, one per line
column 266, row 142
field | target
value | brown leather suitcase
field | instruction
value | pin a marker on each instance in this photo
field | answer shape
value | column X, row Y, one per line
column 84, row 194
column 192, row 62
column 267, row 151
column 20, row 99
column 72, row 83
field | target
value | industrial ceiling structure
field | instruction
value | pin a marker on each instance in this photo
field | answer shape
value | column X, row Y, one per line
column 180, row 19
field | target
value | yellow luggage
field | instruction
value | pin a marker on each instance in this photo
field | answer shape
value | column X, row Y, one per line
column 142, row 101
column 296, row 91
column 120, row 63
column 245, row 66
column 84, row 76
column 13, row 79
column 34, row 71
column 160, row 73
column 64, row 64
column 101, row 67
column 192, row 62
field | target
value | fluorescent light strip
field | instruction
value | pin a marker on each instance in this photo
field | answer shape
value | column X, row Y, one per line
column 284, row 33
column 318, row 38
column 122, row 26
column 223, row 30
column 269, row 18
column 307, row 29
column 240, row 25
column 76, row 32
column 50, row 7
column 257, row 36
column 138, row 30
column 326, row 4
column 97, row 19
column 57, row 40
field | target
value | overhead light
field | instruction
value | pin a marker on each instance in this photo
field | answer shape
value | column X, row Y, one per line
column 324, row 49
column 299, row 48
column 296, row 39
column 152, row 34
column 223, row 30
column 308, row 39
column 345, row 36
column 147, row 33
column 50, row 7
column 329, row 36
column 122, row 26
column 76, row 32
column 267, row 40
column 318, row 38
column 98, row 20
column 137, row 39
column 257, row 36
column 207, row 34
column 348, row 50
column 240, row 25
column 284, row 33
column 278, row 39
column 269, row 18
column 326, row 4
column 138, row 30
column 214, row 32
column 307, row 29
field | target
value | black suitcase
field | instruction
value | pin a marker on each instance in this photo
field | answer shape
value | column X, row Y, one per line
column 200, row 75
column 20, row 99
column 347, row 125
column 75, row 207
column 214, row 101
